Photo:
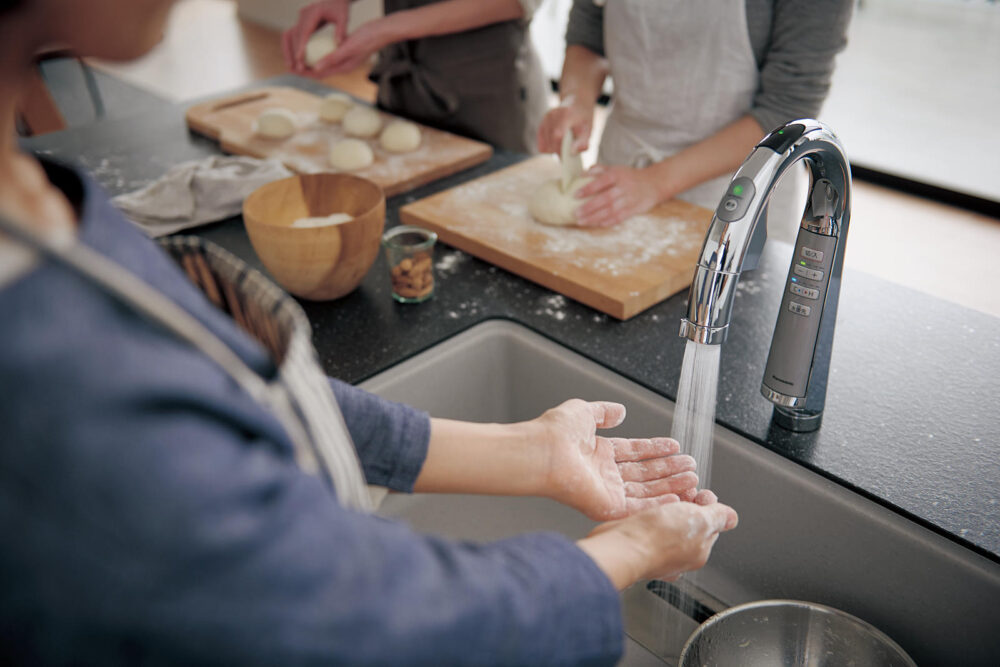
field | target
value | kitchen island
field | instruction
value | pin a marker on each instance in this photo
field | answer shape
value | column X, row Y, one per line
column 911, row 417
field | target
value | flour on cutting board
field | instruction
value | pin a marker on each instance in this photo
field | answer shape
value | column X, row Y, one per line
column 496, row 210
column 307, row 151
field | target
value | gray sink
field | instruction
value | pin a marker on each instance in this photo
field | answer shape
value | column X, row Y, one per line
column 801, row 536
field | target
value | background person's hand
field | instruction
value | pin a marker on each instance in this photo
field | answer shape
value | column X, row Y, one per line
column 616, row 194
column 354, row 51
column 568, row 116
column 609, row 478
column 312, row 18
column 661, row 542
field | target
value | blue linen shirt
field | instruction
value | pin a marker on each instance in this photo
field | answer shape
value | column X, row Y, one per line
column 151, row 512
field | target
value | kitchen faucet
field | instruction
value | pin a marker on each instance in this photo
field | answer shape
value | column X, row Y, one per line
column 799, row 361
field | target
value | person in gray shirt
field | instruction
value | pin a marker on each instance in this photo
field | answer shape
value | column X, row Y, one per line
column 696, row 86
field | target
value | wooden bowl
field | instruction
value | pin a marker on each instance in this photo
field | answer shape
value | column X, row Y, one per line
column 316, row 263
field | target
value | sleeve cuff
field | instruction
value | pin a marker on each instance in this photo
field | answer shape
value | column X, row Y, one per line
column 391, row 438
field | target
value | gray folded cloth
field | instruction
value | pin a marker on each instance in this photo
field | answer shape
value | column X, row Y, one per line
column 198, row 192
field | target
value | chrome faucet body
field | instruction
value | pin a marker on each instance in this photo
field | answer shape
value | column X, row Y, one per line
column 798, row 363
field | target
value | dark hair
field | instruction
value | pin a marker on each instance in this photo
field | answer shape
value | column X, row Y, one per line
column 7, row 5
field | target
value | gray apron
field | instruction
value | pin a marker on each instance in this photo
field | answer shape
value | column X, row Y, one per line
column 485, row 83
column 682, row 71
column 299, row 396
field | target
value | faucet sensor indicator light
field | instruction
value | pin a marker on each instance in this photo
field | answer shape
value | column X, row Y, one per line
column 780, row 140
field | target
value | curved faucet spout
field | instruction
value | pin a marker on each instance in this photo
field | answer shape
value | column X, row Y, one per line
column 797, row 366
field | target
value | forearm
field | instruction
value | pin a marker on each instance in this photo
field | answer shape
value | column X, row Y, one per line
column 450, row 16
column 495, row 459
column 620, row 560
column 582, row 78
column 719, row 154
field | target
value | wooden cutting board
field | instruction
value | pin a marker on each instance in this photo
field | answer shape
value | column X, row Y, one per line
column 620, row 271
column 230, row 121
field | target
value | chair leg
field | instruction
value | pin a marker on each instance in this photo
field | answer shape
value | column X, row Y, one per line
column 39, row 112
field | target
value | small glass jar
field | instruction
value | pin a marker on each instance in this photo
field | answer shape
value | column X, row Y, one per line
column 410, row 252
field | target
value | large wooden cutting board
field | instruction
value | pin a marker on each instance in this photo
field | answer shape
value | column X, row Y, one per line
column 230, row 121
column 620, row 271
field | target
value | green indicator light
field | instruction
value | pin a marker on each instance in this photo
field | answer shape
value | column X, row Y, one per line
column 781, row 131
column 802, row 263
column 737, row 190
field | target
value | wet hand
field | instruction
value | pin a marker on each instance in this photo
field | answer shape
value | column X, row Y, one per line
column 609, row 478
column 614, row 195
column 661, row 542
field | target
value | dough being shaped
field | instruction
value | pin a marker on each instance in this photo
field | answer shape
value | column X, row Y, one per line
column 351, row 154
column 400, row 136
column 319, row 45
column 362, row 122
column 334, row 106
column 275, row 124
column 551, row 206
column 324, row 221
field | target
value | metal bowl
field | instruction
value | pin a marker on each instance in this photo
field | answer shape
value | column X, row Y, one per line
column 789, row 633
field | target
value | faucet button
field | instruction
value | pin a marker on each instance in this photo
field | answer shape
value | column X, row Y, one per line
column 815, row 255
column 799, row 309
column 801, row 290
column 808, row 274
column 737, row 199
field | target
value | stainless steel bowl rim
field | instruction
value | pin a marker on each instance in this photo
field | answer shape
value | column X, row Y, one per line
column 758, row 605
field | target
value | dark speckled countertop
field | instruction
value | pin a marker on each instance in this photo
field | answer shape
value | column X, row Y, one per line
column 911, row 421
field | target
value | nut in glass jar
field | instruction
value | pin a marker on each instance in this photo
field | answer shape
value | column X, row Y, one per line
column 410, row 253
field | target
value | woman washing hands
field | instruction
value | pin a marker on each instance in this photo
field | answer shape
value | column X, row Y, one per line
column 696, row 86
column 182, row 486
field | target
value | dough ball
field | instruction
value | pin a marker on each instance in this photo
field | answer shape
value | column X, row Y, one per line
column 275, row 124
column 351, row 154
column 320, row 44
column 551, row 206
column 334, row 106
column 400, row 136
column 362, row 122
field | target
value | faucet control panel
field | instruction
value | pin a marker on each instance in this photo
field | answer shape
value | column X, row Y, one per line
column 797, row 327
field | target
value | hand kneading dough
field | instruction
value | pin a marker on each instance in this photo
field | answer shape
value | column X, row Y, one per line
column 400, row 136
column 275, row 124
column 551, row 206
column 334, row 106
column 362, row 122
column 351, row 154
column 320, row 44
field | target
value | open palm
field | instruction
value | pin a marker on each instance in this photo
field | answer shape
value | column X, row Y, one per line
column 610, row 478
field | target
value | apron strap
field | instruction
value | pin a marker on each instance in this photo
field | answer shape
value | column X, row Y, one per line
column 397, row 62
column 322, row 452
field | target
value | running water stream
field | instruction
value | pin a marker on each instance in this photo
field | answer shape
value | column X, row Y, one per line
column 693, row 428
column 694, row 414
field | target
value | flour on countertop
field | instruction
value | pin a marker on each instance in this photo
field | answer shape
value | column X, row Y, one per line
column 450, row 262
column 553, row 306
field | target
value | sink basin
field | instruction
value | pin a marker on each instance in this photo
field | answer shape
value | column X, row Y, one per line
column 801, row 536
